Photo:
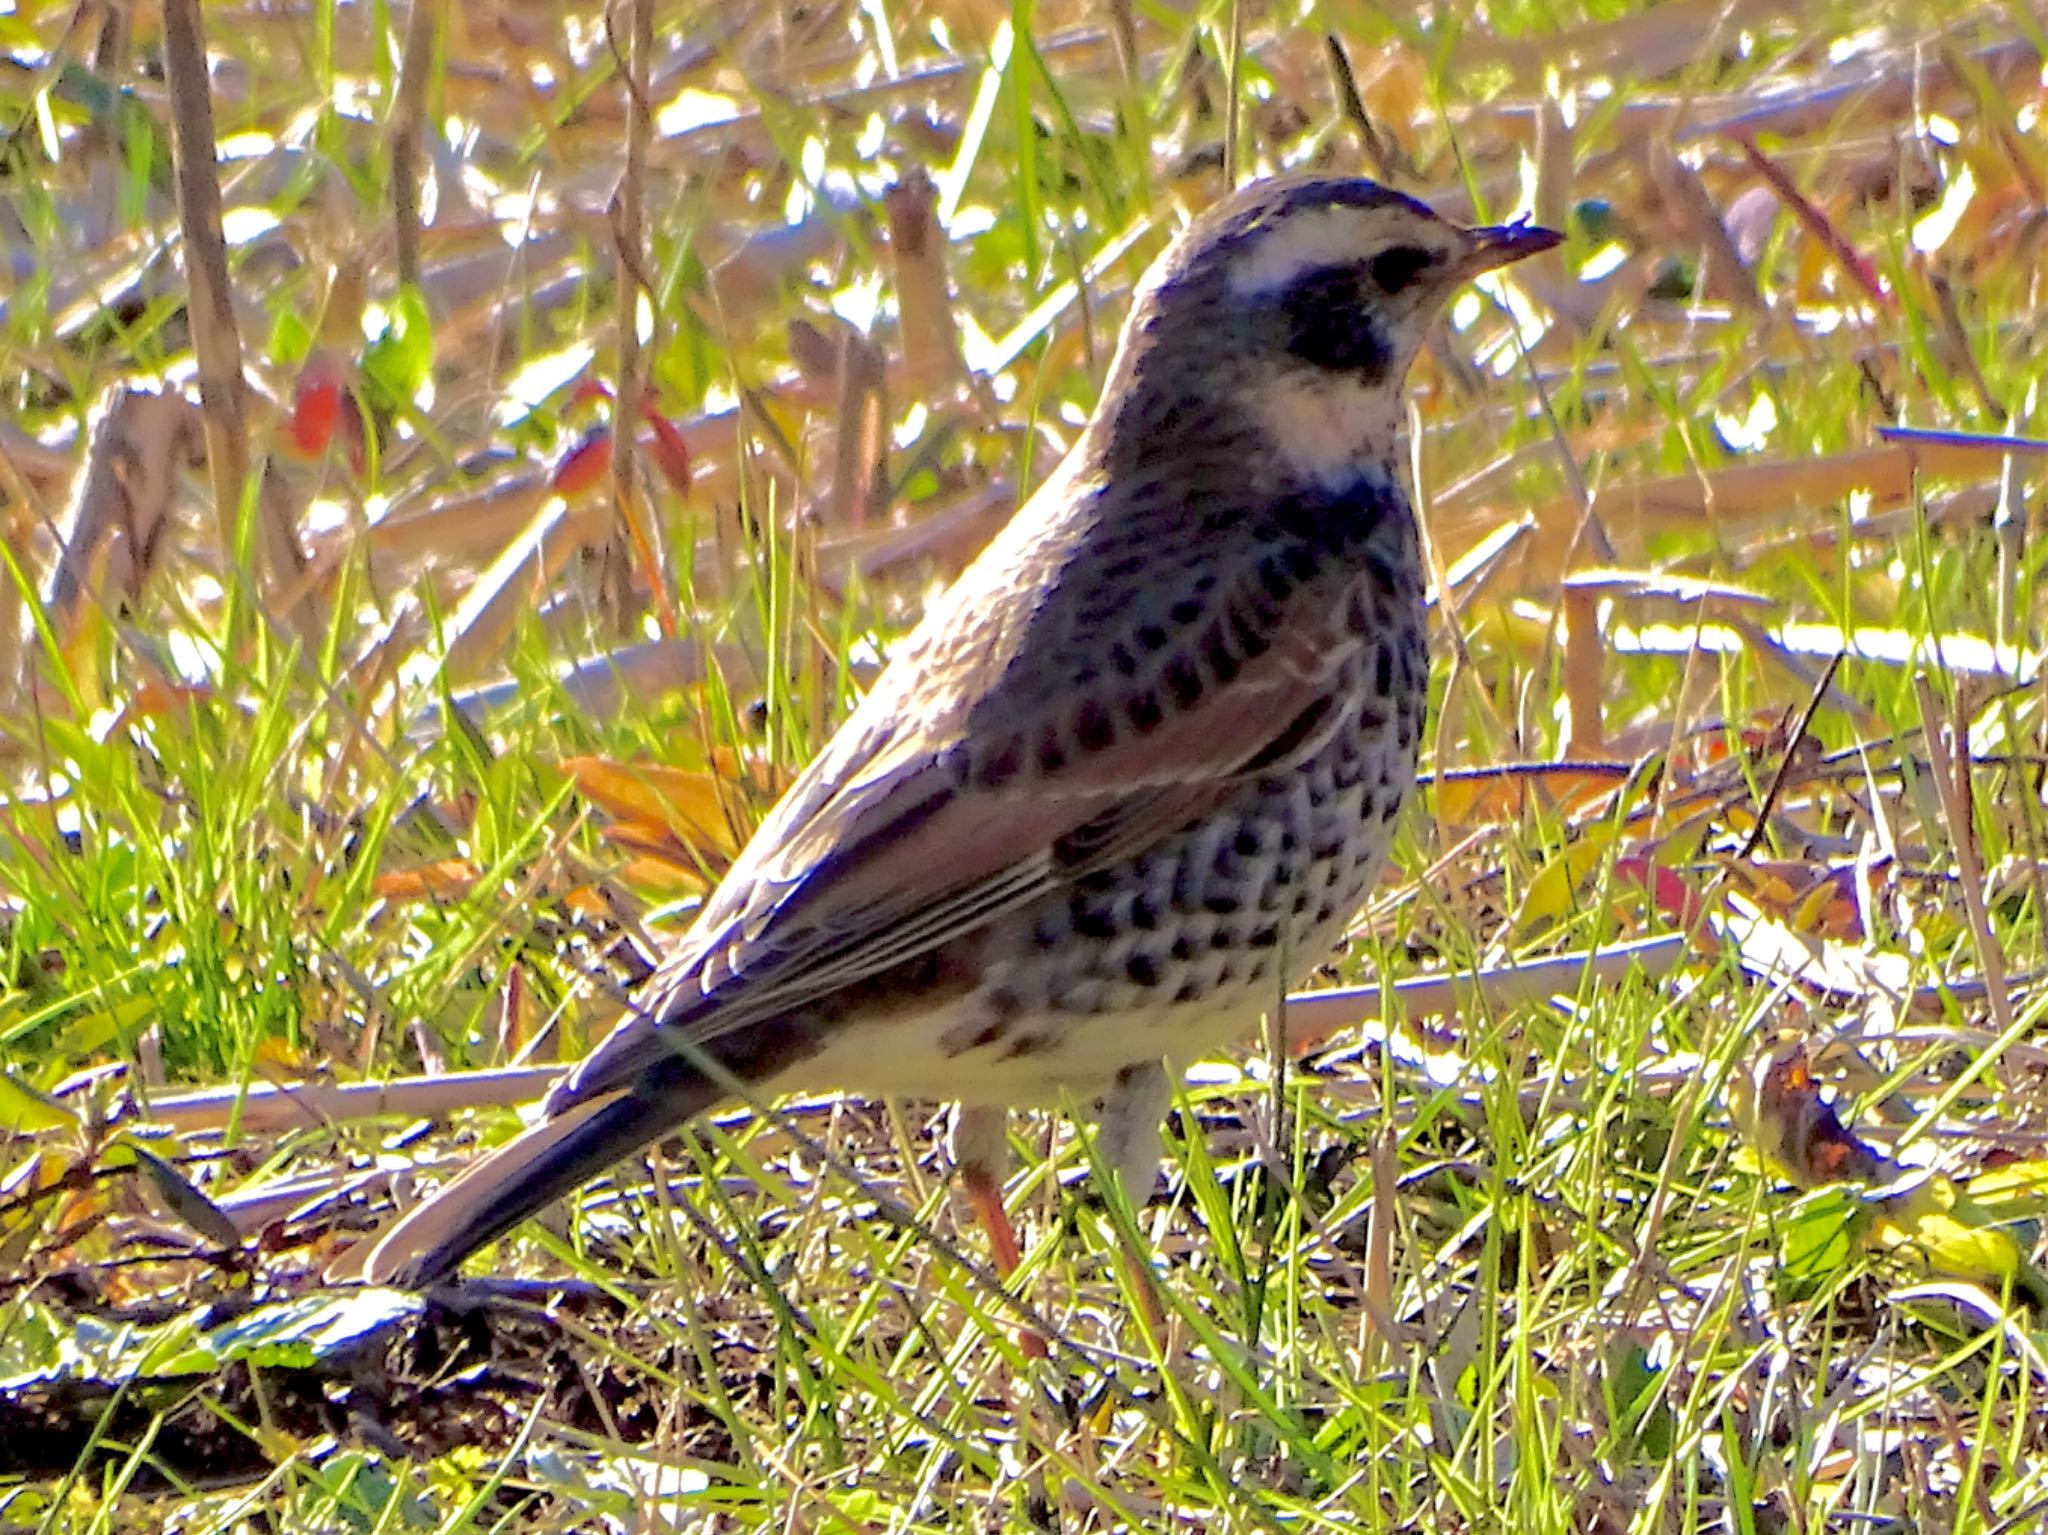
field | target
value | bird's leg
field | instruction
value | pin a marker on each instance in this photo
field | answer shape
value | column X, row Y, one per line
column 1130, row 1116
column 980, row 1145
column 981, row 1148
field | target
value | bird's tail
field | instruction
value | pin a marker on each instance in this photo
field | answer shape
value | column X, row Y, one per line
column 525, row 1175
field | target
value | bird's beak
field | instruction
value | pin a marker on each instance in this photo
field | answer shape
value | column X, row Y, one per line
column 1498, row 244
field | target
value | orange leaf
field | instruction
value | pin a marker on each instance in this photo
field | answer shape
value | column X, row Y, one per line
column 448, row 879
column 589, row 903
column 688, row 802
column 682, row 865
column 663, row 876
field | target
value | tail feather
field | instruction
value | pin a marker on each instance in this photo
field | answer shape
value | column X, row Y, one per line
column 525, row 1175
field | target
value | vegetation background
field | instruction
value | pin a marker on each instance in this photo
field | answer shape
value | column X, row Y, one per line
column 371, row 709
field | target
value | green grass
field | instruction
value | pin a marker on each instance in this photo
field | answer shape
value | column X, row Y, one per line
column 1516, row 1268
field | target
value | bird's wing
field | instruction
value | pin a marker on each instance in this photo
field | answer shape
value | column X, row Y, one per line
column 892, row 843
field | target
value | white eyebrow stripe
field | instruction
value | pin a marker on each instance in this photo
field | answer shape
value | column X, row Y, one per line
column 1279, row 255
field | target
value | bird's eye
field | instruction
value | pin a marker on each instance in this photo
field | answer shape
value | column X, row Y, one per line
column 1396, row 267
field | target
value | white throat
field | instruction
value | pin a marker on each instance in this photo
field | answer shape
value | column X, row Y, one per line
column 1331, row 431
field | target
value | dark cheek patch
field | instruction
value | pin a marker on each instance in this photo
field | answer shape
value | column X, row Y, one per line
column 1329, row 324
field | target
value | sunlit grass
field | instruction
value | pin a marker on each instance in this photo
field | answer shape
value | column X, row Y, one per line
column 1586, row 1321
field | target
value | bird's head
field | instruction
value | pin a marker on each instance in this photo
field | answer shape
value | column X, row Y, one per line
column 1279, row 326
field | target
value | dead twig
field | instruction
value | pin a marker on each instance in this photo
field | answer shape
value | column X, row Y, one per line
column 408, row 123
column 216, row 340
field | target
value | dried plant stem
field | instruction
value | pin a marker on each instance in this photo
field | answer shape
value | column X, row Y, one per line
column 629, row 234
column 215, row 341
column 1950, row 772
column 408, row 124
column 1233, row 85
column 1778, row 779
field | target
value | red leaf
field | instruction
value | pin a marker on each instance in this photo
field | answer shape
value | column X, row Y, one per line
column 583, row 467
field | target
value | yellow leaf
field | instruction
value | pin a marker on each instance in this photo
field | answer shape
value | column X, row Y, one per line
column 1928, row 1225
column 278, row 1059
column 2018, row 1191
column 90, row 1033
column 1553, row 893
column 24, row 1111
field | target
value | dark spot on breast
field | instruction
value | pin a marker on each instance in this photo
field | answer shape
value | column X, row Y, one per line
column 1183, row 682
column 1190, row 991
column 1361, row 612
column 1143, row 970
column 1001, row 765
column 1052, row 752
column 1029, row 1044
column 1093, row 728
column 1151, row 637
column 1145, row 714
column 1121, row 658
column 1383, row 671
column 1144, row 914
column 1183, row 949
column 1091, row 921
column 1220, row 903
column 1247, row 843
column 1223, row 666
column 1185, row 612
column 1274, row 580
column 1120, row 570
column 1250, row 640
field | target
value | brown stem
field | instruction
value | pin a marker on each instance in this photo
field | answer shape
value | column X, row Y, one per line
column 629, row 234
column 408, row 122
column 216, row 344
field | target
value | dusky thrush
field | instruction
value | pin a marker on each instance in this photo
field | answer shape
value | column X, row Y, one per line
column 1132, row 774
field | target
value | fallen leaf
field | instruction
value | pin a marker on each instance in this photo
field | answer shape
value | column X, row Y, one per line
column 446, row 879
column 1778, row 1108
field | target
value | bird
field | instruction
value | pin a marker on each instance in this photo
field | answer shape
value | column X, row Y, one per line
column 1132, row 774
